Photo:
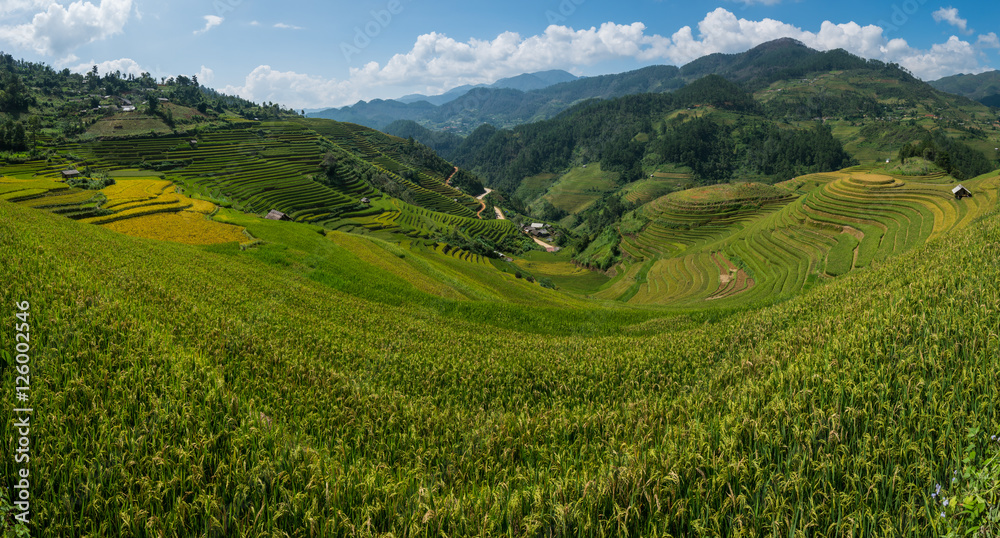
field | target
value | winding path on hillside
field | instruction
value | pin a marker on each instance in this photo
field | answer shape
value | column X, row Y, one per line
column 480, row 198
column 453, row 172
column 500, row 216
column 546, row 246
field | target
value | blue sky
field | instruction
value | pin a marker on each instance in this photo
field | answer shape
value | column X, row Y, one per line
column 310, row 54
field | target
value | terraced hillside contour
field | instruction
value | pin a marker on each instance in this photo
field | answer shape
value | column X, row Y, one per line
column 258, row 167
column 716, row 244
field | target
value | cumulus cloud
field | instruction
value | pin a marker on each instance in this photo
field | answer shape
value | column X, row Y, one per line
column 58, row 30
column 126, row 66
column 988, row 41
column 950, row 16
column 211, row 21
column 206, row 75
column 17, row 6
column 437, row 62
column 292, row 89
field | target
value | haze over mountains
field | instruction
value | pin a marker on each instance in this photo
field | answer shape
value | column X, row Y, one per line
column 524, row 82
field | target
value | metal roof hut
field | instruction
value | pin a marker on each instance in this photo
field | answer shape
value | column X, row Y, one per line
column 68, row 174
column 277, row 215
column 961, row 192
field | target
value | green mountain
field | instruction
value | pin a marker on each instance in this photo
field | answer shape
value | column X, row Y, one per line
column 811, row 356
column 523, row 82
column 984, row 87
column 506, row 106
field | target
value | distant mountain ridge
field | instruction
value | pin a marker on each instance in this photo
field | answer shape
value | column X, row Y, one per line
column 984, row 87
column 507, row 106
column 523, row 82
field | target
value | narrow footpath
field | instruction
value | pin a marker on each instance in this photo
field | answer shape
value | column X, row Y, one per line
column 480, row 198
column 543, row 244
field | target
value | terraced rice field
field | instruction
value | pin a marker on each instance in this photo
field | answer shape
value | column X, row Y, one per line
column 419, row 222
column 428, row 188
column 698, row 246
column 50, row 195
column 272, row 166
column 149, row 208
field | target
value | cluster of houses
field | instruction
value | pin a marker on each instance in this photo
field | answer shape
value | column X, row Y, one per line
column 537, row 229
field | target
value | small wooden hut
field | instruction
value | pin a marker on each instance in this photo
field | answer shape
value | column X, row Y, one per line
column 961, row 192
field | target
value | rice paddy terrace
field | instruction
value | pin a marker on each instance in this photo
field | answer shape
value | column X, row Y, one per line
column 745, row 242
column 255, row 167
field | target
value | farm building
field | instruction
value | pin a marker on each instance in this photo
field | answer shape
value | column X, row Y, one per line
column 365, row 201
column 193, row 143
column 277, row 215
column 68, row 174
column 961, row 192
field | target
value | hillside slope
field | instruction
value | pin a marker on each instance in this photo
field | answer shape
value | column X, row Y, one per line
column 176, row 388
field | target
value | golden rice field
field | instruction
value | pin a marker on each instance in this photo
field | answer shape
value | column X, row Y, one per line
column 188, row 227
column 147, row 207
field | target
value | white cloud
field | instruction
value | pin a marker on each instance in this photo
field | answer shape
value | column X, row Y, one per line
column 58, row 30
column 206, row 75
column 284, row 26
column 758, row 2
column 254, row 23
column 437, row 62
column 16, row 6
column 950, row 15
column 290, row 88
column 211, row 21
column 126, row 66
column 988, row 41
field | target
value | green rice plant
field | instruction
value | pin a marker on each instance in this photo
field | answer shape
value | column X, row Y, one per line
column 840, row 259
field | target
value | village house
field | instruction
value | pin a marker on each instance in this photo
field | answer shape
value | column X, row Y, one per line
column 274, row 214
column 961, row 192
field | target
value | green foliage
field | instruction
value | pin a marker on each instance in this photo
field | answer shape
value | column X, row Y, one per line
column 969, row 504
column 9, row 526
column 956, row 158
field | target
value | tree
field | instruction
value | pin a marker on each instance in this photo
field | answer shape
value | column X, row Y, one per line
column 34, row 127
column 18, row 140
column 153, row 102
column 93, row 78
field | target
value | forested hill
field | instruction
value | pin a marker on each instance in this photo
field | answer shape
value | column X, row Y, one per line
column 711, row 126
column 507, row 107
column 773, row 112
column 782, row 59
column 984, row 87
